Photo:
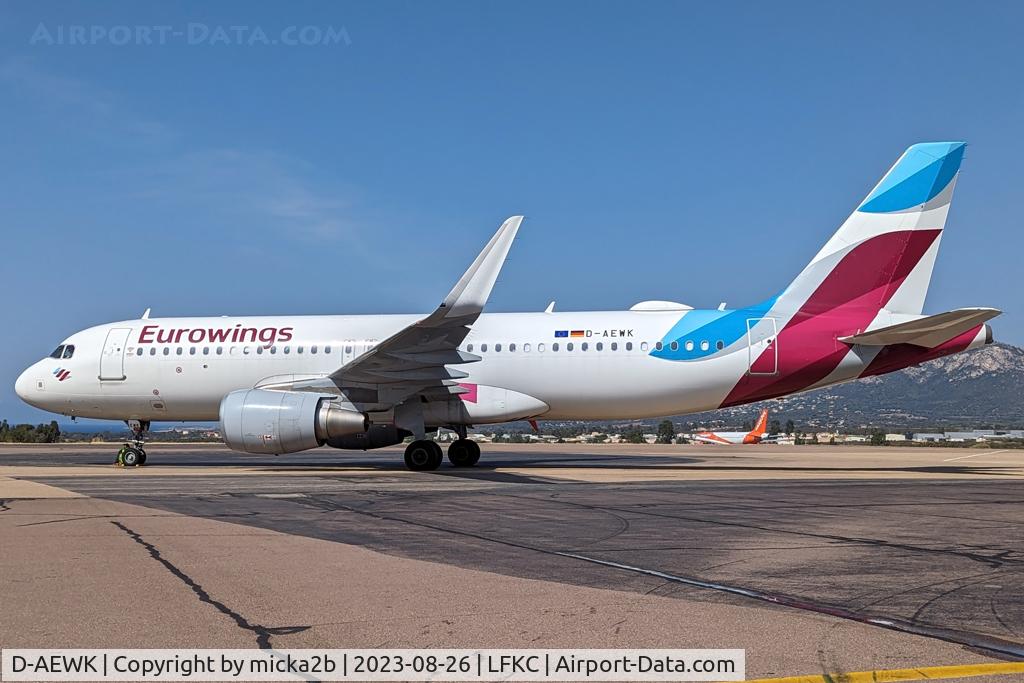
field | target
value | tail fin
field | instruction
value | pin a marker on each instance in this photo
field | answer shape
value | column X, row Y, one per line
column 882, row 256
column 761, row 426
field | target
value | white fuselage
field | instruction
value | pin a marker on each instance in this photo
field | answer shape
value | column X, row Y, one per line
column 607, row 373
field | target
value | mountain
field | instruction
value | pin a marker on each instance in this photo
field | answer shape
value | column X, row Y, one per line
column 976, row 389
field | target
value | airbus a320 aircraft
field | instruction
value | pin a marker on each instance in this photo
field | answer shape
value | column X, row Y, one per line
column 287, row 384
column 755, row 435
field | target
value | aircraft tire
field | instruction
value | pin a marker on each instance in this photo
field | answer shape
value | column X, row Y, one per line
column 423, row 455
column 130, row 456
column 464, row 453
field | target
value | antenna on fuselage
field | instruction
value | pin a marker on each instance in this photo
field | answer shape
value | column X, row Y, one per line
column 145, row 316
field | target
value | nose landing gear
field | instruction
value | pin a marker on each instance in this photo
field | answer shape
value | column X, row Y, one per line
column 132, row 453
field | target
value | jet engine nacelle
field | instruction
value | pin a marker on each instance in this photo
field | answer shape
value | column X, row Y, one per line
column 266, row 421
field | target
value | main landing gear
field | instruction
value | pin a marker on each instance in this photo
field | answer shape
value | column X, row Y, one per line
column 464, row 453
column 132, row 454
column 423, row 455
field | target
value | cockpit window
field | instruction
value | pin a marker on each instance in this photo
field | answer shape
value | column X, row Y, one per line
column 69, row 351
column 57, row 352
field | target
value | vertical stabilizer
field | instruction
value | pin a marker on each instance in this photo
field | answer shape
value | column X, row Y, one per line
column 759, row 429
column 882, row 255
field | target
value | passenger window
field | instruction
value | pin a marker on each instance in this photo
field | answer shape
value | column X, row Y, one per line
column 643, row 346
column 704, row 346
column 526, row 347
column 178, row 351
column 483, row 348
column 206, row 350
column 57, row 352
column 312, row 349
column 720, row 345
column 469, row 348
column 674, row 346
column 220, row 350
column 298, row 349
column 629, row 346
column 497, row 347
column 554, row 346
column 615, row 346
column 191, row 350
column 259, row 350
column 245, row 350
column 658, row 346
column 273, row 350
column 287, row 349
column 600, row 346
column 540, row 347
column 327, row 349
column 348, row 348
column 583, row 346
column 152, row 351
column 689, row 345
column 511, row 348
column 69, row 350
column 569, row 346
column 139, row 352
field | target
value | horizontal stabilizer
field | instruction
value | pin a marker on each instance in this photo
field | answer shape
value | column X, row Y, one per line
column 928, row 332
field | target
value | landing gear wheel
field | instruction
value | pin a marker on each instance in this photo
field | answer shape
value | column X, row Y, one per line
column 423, row 455
column 130, row 456
column 464, row 453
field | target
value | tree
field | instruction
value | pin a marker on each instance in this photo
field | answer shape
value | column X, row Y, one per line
column 790, row 427
column 878, row 438
column 666, row 431
column 634, row 435
column 774, row 427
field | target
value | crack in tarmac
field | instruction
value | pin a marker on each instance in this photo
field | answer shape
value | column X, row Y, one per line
column 262, row 633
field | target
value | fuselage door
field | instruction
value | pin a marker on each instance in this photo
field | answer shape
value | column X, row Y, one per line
column 762, row 346
column 112, row 358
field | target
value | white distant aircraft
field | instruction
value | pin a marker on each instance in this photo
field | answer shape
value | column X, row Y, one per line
column 286, row 384
column 755, row 435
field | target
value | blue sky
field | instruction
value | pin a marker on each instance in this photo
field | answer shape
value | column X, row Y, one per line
column 698, row 152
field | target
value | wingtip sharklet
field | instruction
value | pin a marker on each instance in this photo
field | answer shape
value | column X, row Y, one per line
column 470, row 293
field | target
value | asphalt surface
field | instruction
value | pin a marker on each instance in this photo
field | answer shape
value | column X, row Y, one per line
column 865, row 558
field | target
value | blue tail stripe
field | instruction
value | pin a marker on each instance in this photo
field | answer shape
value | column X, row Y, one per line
column 923, row 172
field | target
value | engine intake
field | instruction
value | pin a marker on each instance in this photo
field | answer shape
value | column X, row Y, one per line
column 274, row 422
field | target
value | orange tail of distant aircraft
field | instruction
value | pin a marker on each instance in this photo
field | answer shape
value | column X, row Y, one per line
column 755, row 434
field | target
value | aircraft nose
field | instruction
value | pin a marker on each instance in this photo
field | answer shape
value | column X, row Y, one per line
column 23, row 385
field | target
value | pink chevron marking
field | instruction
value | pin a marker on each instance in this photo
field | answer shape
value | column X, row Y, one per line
column 846, row 301
column 471, row 392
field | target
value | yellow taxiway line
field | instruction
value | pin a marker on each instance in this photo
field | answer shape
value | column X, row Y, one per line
column 924, row 673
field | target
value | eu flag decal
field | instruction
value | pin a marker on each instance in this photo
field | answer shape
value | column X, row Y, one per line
column 561, row 333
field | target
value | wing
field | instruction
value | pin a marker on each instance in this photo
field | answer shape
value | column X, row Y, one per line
column 414, row 360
